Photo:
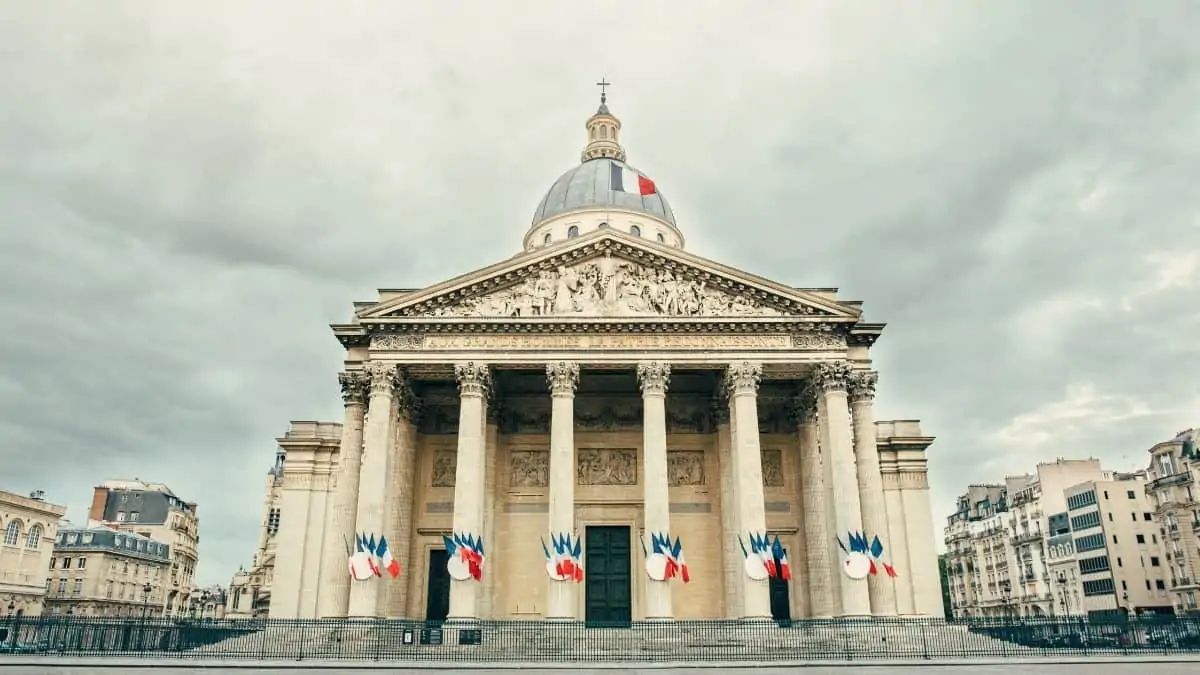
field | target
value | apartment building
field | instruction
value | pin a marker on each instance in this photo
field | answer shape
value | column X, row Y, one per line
column 1173, row 474
column 29, row 526
column 1119, row 555
column 249, row 594
column 103, row 572
column 1013, row 552
column 153, row 511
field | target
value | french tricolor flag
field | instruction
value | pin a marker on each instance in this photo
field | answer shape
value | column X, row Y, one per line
column 625, row 179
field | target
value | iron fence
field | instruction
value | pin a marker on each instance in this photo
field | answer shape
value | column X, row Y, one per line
column 541, row 641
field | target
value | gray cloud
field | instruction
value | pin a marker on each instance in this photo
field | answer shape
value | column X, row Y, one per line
column 188, row 195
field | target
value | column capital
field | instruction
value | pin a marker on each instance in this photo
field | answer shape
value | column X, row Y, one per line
column 408, row 405
column 832, row 376
column 354, row 384
column 804, row 404
column 383, row 377
column 563, row 377
column 862, row 386
column 743, row 378
column 474, row 379
column 653, row 377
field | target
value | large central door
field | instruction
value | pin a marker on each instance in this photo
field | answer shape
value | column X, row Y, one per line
column 608, row 589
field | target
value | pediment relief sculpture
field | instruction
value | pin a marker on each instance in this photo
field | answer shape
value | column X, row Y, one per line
column 608, row 287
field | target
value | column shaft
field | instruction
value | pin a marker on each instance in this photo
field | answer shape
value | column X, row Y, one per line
column 731, row 562
column 821, row 569
column 334, row 593
column 373, row 479
column 880, row 586
column 563, row 378
column 741, row 380
column 838, row 448
column 491, row 442
column 474, row 381
column 401, row 493
column 654, row 377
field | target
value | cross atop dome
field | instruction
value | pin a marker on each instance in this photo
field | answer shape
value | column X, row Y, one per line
column 603, row 130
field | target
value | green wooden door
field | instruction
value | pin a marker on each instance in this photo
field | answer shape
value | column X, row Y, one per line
column 608, row 588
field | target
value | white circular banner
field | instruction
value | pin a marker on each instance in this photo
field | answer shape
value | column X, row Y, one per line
column 656, row 566
column 856, row 566
column 755, row 569
column 552, row 571
column 459, row 571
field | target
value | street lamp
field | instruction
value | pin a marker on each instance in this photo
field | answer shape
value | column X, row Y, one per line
column 1066, row 598
column 1006, row 597
column 146, row 590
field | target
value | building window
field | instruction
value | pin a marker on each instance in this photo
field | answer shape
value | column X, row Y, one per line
column 34, row 537
column 133, row 517
column 1158, row 584
column 81, row 563
column 273, row 522
column 120, row 516
column 62, row 585
column 1154, row 561
column 661, row 238
column 546, row 239
column 635, row 230
column 1130, row 494
column 66, row 563
column 572, row 232
column 1147, row 517
column 77, row 587
column 12, row 533
column 53, row 563
column 1141, row 539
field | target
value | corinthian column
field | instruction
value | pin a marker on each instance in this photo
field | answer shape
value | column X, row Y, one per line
column 732, row 559
column 832, row 379
column 741, row 383
column 821, row 569
column 333, row 590
column 373, row 477
column 870, row 485
column 654, row 377
column 474, row 381
column 401, row 492
column 563, row 378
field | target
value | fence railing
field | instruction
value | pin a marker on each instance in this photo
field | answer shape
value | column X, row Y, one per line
column 541, row 641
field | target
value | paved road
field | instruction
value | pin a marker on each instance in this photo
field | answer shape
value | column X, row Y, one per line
column 1093, row 666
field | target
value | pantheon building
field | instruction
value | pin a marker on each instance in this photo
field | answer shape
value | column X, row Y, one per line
column 685, row 439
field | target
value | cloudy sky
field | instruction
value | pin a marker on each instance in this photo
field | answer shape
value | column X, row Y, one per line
column 191, row 192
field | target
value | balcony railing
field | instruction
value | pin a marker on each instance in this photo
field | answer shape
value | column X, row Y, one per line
column 1026, row 538
column 1182, row 478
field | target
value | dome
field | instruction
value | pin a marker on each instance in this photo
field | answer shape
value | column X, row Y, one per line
column 589, row 186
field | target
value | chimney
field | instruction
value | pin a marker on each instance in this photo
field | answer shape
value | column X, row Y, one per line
column 99, row 499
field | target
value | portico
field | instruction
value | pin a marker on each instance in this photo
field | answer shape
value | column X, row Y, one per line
column 598, row 395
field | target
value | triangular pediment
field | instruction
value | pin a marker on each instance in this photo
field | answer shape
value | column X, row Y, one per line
column 609, row 274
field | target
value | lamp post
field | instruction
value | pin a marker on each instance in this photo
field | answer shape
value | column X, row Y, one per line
column 1066, row 597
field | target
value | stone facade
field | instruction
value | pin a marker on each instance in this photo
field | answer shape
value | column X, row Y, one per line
column 249, row 594
column 28, row 528
column 607, row 388
column 99, row 571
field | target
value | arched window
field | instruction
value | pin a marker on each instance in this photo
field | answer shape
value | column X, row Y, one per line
column 12, row 533
column 635, row 230
column 603, row 133
column 34, row 537
column 546, row 240
column 572, row 232
column 661, row 238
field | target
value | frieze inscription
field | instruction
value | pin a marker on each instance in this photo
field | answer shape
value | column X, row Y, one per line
column 685, row 467
column 606, row 466
column 569, row 341
column 528, row 468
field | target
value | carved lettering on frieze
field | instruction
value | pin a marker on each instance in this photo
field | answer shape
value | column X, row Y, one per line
column 607, row 287
column 606, row 466
column 685, row 467
column 445, row 465
column 603, row 341
column 528, row 468
column 772, row 467
column 821, row 341
column 397, row 342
